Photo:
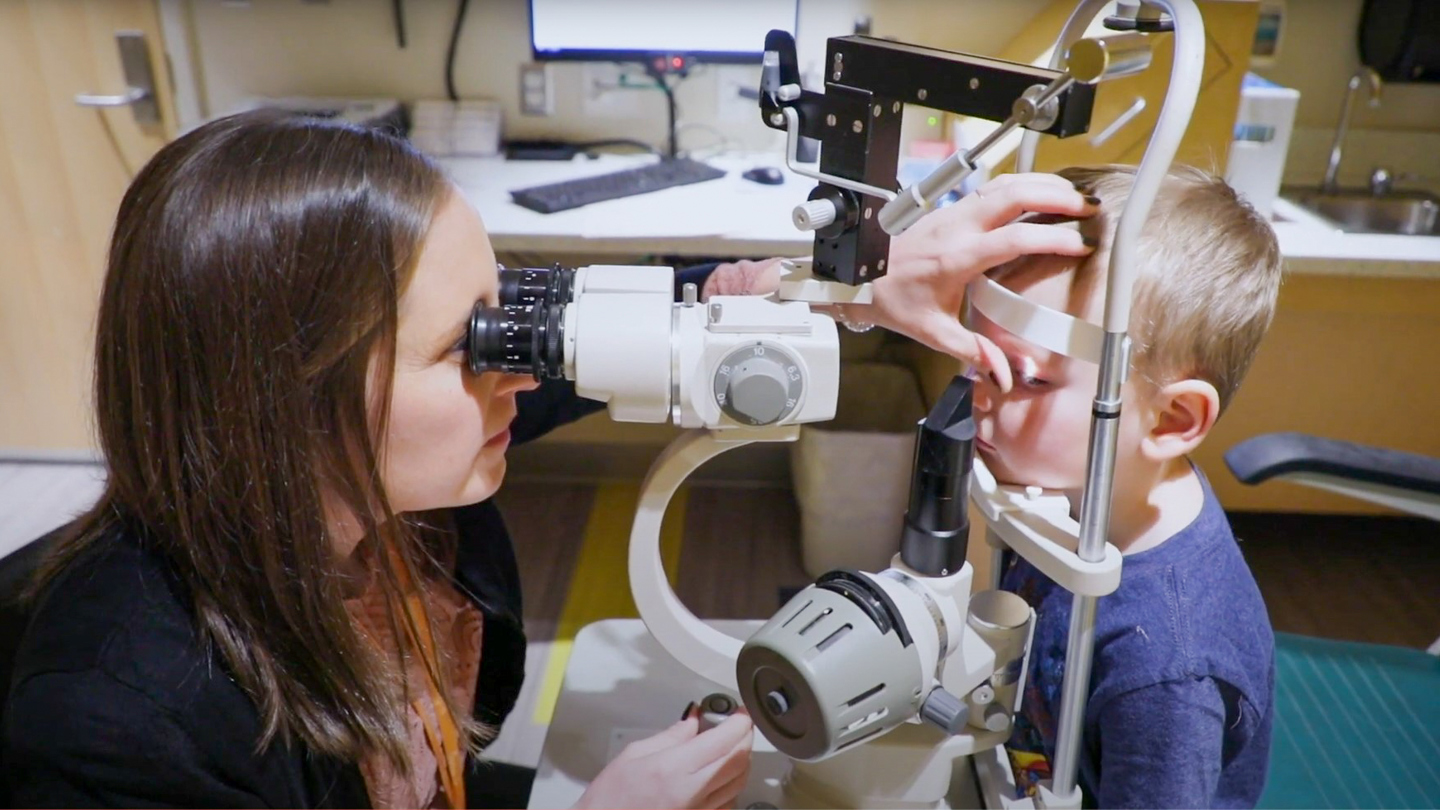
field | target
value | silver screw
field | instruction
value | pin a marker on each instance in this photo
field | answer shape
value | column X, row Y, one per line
column 864, row 270
column 877, row 110
column 974, row 84
column 857, row 126
column 868, row 212
column 830, row 120
column 835, row 76
column 896, row 108
column 880, row 265
column 839, row 56
column 921, row 94
column 715, row 311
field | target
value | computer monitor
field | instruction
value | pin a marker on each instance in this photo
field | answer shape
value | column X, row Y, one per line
column 667, row 36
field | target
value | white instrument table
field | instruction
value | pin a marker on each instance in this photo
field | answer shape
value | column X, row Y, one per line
column 729, row 216
column 621, row 686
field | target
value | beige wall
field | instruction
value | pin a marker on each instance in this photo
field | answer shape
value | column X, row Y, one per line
column 1317, row 57
column 290, row 47
column 279, row 47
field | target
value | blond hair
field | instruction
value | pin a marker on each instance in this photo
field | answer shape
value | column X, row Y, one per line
column 1209, row 275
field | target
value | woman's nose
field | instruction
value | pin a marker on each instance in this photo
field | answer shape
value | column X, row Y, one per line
column 517, row 383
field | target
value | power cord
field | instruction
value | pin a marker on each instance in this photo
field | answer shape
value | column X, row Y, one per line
column 115, row 145
column 450, row 54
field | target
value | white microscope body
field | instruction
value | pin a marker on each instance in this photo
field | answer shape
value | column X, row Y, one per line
column 875, row 684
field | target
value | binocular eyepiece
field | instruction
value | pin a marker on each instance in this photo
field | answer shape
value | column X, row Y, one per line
column 525, row 334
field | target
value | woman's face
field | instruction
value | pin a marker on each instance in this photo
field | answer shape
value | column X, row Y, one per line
column 449, row 429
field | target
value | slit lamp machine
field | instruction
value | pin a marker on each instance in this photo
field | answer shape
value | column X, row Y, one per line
column 875, row 685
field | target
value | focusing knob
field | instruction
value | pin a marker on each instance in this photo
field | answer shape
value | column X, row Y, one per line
column 945, row 711
column 813, row 215
column 758, row 384
column 758, row 390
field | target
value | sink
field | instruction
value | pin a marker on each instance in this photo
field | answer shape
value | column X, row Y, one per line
column 1413, row 213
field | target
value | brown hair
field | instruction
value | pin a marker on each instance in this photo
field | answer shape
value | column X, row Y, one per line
column 1208, row 279
column 253, row 276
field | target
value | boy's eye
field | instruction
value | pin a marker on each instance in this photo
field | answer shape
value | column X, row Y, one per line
column 1028, row 380
column 1031, row 382
column 1026, row 373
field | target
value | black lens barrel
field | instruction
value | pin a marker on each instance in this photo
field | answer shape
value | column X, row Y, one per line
column 517, row 340
column 532, row 286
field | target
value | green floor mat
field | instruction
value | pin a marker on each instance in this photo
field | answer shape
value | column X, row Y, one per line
column 1356, row 725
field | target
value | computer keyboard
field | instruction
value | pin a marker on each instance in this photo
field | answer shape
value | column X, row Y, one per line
column 569, row 194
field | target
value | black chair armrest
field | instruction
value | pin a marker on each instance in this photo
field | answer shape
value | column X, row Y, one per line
column 1273, row 455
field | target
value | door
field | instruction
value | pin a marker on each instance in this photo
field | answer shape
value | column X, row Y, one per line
column 63, row 169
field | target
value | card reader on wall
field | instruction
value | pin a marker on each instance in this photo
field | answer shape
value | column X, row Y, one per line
column 541, row 150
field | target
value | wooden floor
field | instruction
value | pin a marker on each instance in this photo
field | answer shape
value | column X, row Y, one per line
column 1353, row 578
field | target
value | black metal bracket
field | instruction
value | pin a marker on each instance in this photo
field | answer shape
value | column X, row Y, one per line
column 868, row 82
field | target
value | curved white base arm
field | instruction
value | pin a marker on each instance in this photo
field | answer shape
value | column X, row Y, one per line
column 701, row 648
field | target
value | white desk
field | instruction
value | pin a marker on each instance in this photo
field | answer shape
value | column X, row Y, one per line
column 736, row 217
column 730, row 216
column 621, row 686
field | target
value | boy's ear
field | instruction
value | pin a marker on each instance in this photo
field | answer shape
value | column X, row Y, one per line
column 1184, row 413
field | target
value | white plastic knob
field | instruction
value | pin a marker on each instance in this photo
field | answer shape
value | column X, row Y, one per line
column 759, row 389
column 813, row 215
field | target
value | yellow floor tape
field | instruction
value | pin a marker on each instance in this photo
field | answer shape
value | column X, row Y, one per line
column 600, row 584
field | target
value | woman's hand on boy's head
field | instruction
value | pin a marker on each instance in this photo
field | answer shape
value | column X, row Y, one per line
column 931, row 263
column 924, row 286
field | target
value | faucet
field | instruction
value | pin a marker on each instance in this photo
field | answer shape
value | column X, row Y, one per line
column 1365, row 74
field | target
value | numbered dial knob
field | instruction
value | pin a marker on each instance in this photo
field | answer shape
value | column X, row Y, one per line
column 758, row 384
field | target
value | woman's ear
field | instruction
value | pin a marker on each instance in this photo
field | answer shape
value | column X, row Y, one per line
column 1184, row 413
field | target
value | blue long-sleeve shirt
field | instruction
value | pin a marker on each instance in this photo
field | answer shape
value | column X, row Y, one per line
column 1183, row 680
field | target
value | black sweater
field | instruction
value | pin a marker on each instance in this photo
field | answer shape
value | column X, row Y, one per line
column 115, row 702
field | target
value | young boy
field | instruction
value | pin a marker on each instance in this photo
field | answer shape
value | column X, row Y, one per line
column 1180, row 696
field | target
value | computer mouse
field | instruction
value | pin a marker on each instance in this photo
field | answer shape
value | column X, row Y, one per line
column 768, row 175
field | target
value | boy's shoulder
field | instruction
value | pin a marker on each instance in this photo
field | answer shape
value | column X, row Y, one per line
column 1188, row 608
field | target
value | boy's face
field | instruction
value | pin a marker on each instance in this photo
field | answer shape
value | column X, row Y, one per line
column 1038, row 433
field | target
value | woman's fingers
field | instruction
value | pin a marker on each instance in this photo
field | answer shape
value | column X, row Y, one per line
column 671, row 737
column 725, row 794
column 707, row 749
column 722, row 780
column 764, row 277
column 994, row 206
column 944, row 332
column 1027, row 177
column 992, row 249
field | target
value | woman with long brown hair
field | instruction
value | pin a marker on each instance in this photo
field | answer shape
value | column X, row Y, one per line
column 294, row 590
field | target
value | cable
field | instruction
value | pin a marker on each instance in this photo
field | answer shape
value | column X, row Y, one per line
column 586, row 146
column 115, row 145
column 398, row 6
column 724, row 143
column 450, row 55
column 670, row 108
